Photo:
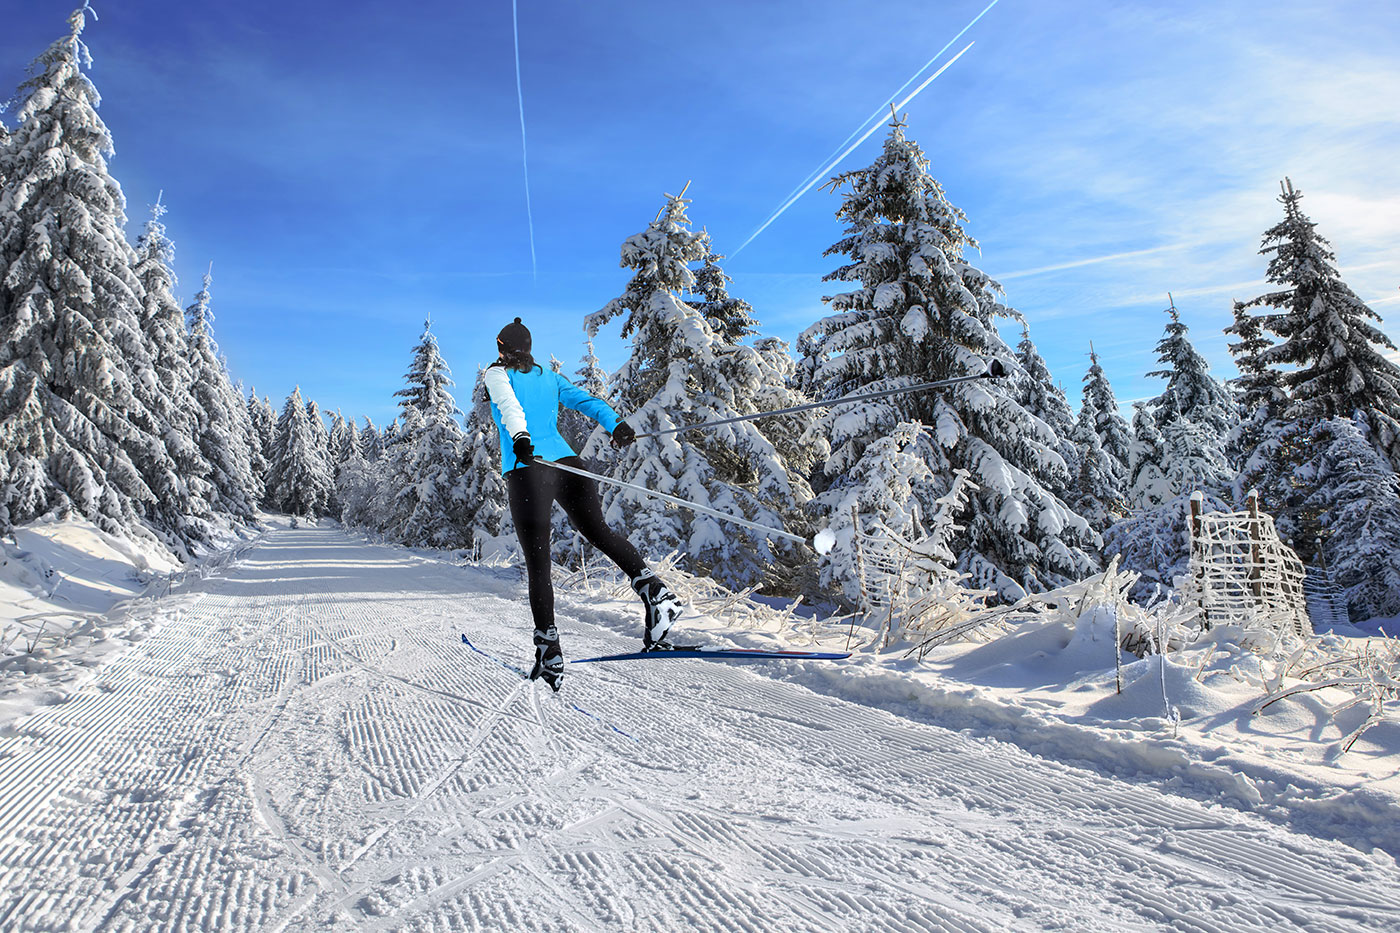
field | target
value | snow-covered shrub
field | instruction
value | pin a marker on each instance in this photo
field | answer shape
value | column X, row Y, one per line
column 1366, row 676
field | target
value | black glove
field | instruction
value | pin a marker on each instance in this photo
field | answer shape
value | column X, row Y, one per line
column 524, row 450
column 622, row 435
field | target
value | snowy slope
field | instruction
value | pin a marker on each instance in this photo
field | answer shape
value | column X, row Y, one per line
column 303, row 743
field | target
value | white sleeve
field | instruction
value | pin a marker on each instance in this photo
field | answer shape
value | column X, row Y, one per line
column 512, row 415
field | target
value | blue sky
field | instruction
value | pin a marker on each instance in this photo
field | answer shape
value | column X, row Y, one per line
column 351, row 168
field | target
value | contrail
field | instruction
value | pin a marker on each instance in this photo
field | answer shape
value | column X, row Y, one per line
column 881, row 109
column 849, row 149
column 1075, row 264
column 524, row 152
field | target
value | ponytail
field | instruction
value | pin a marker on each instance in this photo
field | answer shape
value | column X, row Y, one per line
column 516, row 359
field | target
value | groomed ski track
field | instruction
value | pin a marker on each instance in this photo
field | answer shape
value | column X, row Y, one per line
column 305, row 744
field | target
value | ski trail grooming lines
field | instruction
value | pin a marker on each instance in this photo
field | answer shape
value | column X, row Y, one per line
column 524, row 675
column 995, row 370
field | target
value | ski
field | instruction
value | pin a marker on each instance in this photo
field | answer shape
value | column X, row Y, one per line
column 689, row 652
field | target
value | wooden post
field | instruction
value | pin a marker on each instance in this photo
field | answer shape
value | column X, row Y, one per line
column 1256, row 553
column 1198, row 552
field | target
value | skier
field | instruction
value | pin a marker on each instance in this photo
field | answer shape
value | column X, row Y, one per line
column 525, row 400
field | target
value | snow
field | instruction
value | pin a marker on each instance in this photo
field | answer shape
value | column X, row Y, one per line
column 824, row 541
column 297, row 739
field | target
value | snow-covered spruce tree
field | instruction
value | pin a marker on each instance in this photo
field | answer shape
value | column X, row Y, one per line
column 1355, row 509
column 264, row 434
column 887, row 484
column 1259, row 390
column 731, row 318
column 299, row 482
column 371, row 441
column 1147, row 478
column 336, row 442
column 357, row 481
column 922, row 313
column 681, row 371
column 244, row 429
column 1100, row 490
column 222, row 425
column 1156, row 543
column 1192, row 392
column 316, row 420
column 1154, row 540
column 349, row 448
column 1327, row 334
column 1182, row 448
column 74, row 431
column 483, row 488
column 1038, row 393
column 424, row 472
column 1096, row 492
column 170, row 397
column 1114, row 434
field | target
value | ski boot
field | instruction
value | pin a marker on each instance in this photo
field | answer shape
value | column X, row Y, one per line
column 549, row 660
column 663, row 608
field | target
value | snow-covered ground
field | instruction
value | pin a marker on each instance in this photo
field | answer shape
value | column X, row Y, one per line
column 299, row 740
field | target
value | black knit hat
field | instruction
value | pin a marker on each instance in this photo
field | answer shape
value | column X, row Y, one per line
column 514, row 338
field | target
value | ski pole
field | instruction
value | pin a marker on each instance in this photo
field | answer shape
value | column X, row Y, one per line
column 821, row 542
column 994, row 371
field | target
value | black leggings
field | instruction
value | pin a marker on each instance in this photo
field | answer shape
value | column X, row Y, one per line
column 532, row 491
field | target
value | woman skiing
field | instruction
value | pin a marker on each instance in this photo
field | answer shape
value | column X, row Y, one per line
column 525, row 400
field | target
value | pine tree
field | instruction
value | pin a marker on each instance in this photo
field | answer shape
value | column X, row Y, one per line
column 170, row 397
column 316, row 421
column 222, row 426
column 1147, row 479
column 1354, row 509
column 1183, row 450
column 483, row 488
column 1327, row 334
column 1191, row 393
column 1154, row 540
column 1096, row 492
column 887, row 486
column 371, row 442
column 264, row 429
column 923, row 313
column 244, row 431
column 350, row 445
column 337, row 437
column 73, row 429
column 681, row 371
column 1100, row 491
column 1194, row 459
column 1042, row 398
column 1098, row 399
column 425, row 463
column 1258, row 389
column 299, row 482
column 730, row 318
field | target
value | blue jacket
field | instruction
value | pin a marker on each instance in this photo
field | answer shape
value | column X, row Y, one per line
column 529, row 403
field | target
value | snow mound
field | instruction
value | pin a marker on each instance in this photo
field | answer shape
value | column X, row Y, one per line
column 64, row 586
column 1143, row 692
